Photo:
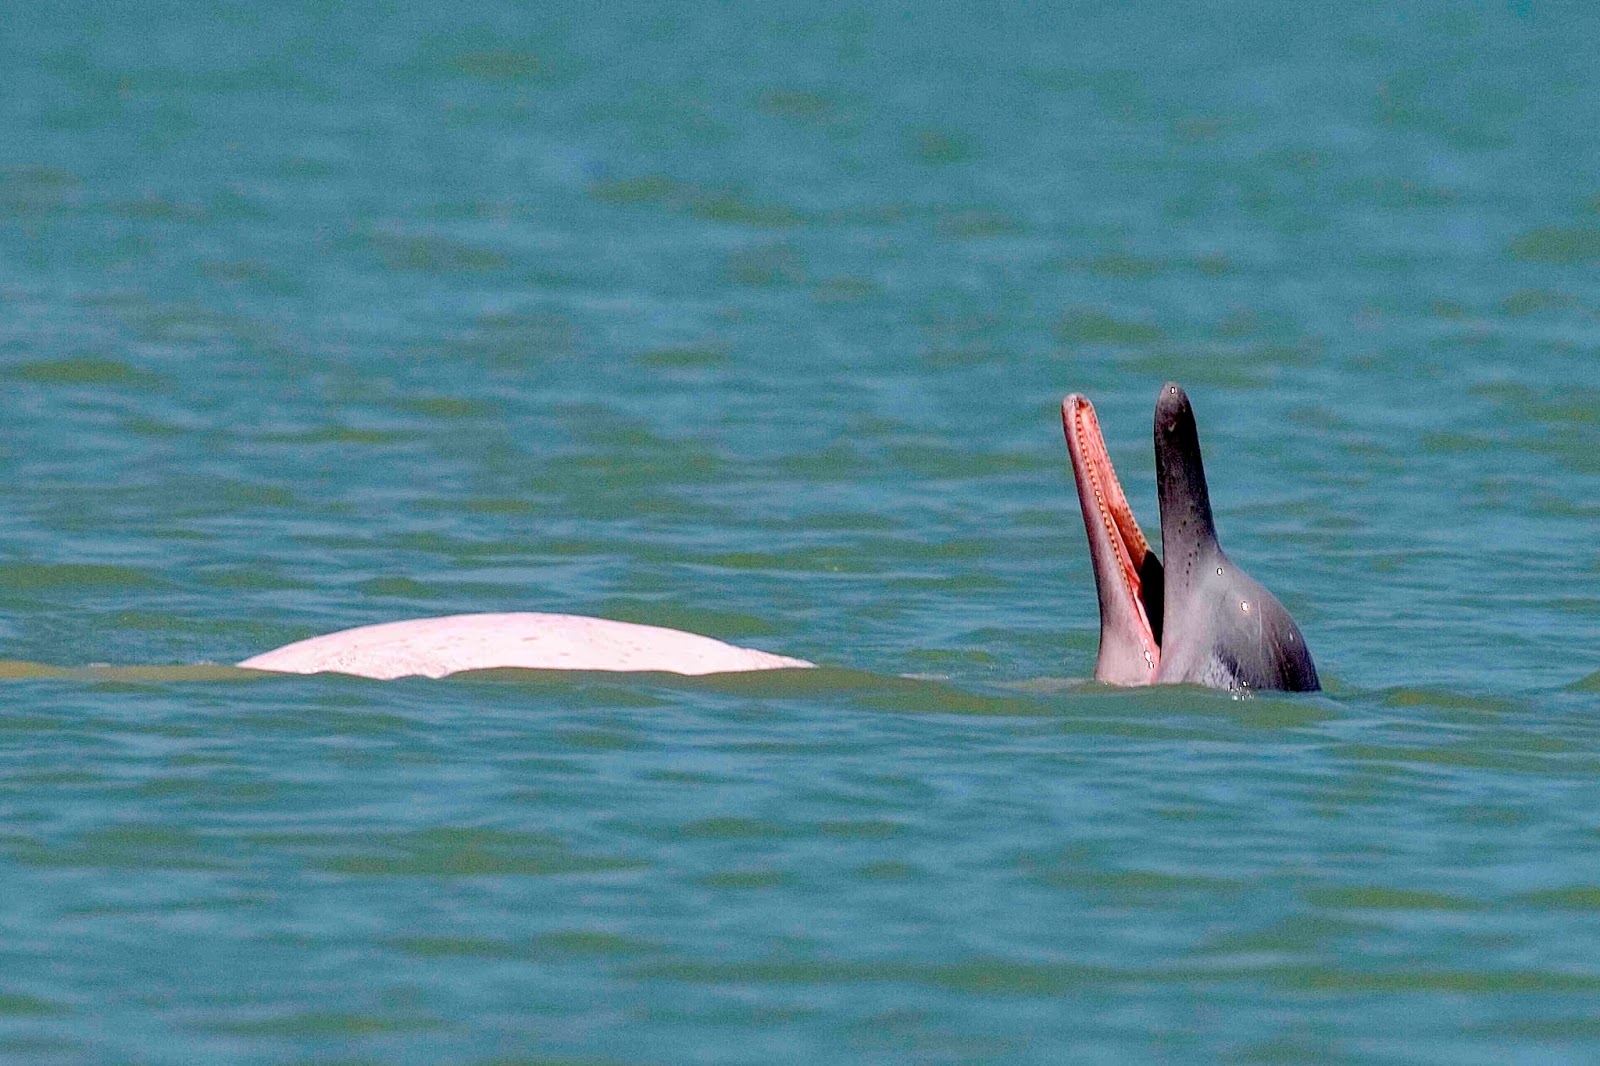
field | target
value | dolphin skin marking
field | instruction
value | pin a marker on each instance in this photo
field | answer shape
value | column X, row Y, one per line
column 1198, row 619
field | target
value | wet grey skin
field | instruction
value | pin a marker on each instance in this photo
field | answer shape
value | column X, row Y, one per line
column 1198, row 619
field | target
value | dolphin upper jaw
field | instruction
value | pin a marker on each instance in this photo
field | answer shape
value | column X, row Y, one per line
column 1128, row 575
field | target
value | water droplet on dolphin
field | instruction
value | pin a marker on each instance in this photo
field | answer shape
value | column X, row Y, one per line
column 1219, row 571
column 1244, row 605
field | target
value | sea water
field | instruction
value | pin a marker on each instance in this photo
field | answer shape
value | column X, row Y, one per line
column 754, row 320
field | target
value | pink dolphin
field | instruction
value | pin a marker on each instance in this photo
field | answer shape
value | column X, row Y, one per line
column 434, row 647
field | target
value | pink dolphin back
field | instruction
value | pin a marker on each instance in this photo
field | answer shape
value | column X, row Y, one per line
column 434, row 647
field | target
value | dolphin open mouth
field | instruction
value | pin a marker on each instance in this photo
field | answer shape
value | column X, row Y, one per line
column 1208, row 622
column 1127, row 574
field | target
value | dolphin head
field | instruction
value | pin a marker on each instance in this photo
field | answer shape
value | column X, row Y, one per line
column 1199, row 619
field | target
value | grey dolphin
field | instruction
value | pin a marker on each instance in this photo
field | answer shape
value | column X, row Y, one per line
column 1199, row 619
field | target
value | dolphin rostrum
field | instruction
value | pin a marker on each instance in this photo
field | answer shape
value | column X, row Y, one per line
column 1199, row 619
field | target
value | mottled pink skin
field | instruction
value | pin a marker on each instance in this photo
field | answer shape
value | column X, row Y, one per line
column 434, row 647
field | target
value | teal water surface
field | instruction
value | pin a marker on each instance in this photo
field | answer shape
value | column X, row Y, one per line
column 754, row 321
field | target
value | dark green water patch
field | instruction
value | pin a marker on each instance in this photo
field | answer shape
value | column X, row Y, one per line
column 1382, row 898
column 873, row 692
column 726, row 828
column 573, row 943
column 686, row 357
column 508, row 65
column 131, row 846
column 888, row 870
column 799, row 105
column 17, row 1005
column 1489, row 707
column 745, row 880
column 979, row 977
column 1088, row 325
column 976, row 223
column 322, row 1025
column 1297, row 934
column 1126, row 886
column 1570, row 898
column 1231, row 367
column 86, row 371
column 1455, row 756
column 456, row 853
column 602, row 688
column 1554, row 404
column 339, row 435
column 1558, row 245
column 942, row 146
column 1453, row 982
column 453, row 947
column 845, row 290
column 36, row 577
column 1590, row 683
column 593, row 943
column 1560, row 1030
column 719, row 206
column 769, row 265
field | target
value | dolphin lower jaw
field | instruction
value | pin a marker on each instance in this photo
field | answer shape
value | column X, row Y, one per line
column 1126, row 571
